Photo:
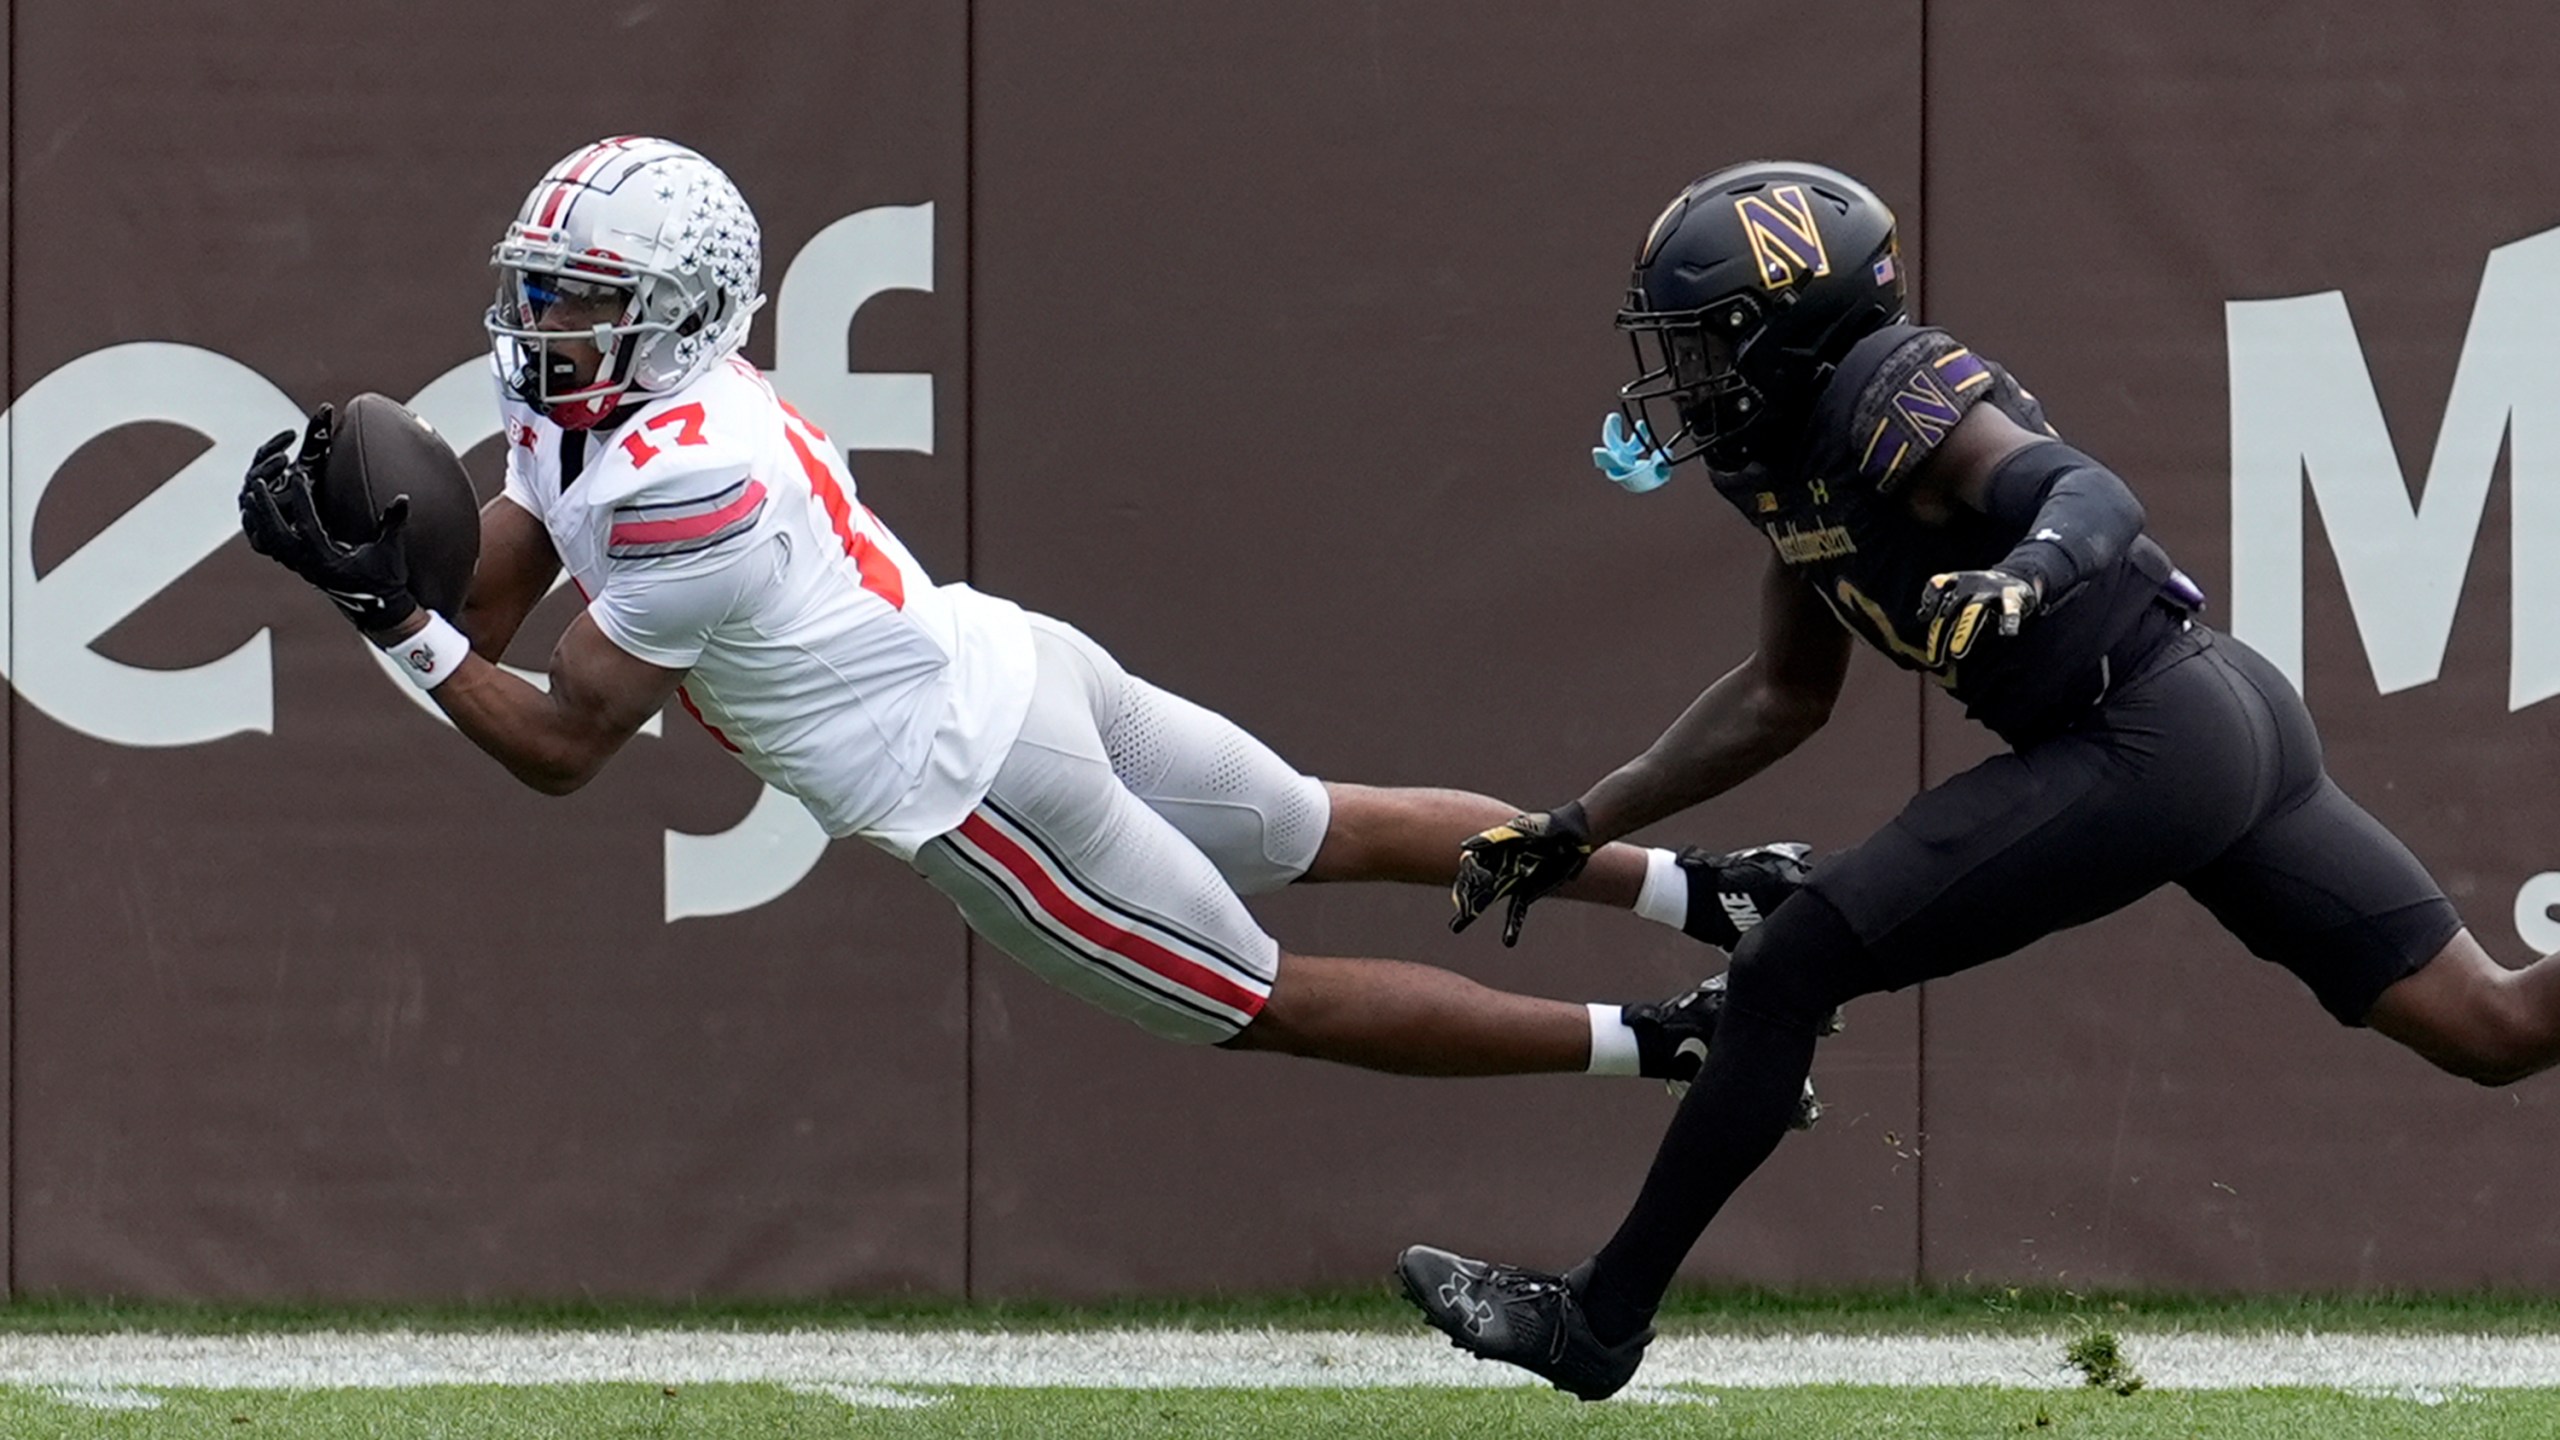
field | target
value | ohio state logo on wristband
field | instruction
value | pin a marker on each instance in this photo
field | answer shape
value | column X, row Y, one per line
column 430, row 657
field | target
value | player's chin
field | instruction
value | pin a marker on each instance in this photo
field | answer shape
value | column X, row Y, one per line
column 582, row 409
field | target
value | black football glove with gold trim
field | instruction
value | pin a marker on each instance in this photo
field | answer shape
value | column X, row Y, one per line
column 1524, row 857
column 1960, row 604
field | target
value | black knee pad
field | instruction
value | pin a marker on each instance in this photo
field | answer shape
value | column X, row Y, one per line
column 1797, row 966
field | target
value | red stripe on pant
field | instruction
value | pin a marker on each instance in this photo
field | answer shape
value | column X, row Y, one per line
column 1064, row 908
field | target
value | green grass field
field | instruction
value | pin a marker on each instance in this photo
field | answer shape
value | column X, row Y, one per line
column 2397, row 1366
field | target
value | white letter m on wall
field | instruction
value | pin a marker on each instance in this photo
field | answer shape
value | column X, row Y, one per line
column 2303, row 403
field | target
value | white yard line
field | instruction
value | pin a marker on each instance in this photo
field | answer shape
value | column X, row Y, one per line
column 865, row 1363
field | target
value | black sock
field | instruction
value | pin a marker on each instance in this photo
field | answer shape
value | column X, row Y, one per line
column 1734, row 1116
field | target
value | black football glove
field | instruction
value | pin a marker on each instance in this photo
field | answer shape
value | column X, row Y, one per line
column 1524, row 857
column 368, row 582
column 1959, row 605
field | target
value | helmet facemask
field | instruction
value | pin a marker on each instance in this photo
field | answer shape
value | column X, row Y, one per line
column 540, row 308
column 1694, row 361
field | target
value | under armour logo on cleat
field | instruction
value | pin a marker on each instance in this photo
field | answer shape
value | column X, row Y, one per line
column 1740, row 909
column 1457, row 1293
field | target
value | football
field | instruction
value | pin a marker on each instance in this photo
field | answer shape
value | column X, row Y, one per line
column 378, row 450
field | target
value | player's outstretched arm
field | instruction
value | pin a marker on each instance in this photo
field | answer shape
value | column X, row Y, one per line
column 517, row 566
column 556, row 741
column 1761, row 710
column 1742, row 724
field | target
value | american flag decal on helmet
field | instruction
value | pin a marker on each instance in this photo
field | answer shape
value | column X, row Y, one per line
column 681, row 527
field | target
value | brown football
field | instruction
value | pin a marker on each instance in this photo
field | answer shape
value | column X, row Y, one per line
column 378, row 450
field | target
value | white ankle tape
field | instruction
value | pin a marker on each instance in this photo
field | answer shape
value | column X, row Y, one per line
column 1613, row 1043
column 1664, row 899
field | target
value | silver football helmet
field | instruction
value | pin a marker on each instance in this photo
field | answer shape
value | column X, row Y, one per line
column 639, row 247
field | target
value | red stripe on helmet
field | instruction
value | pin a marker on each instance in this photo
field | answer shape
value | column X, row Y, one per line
column 578, row 168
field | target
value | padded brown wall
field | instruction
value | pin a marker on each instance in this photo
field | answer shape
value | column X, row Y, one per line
column 1266, row 343
column 2142, row 1102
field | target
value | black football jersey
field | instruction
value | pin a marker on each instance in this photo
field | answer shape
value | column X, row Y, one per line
column 1838, row 518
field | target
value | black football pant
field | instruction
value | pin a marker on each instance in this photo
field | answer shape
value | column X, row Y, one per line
column 2200, row 768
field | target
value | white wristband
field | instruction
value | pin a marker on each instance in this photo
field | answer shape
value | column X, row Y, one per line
column 430, row 657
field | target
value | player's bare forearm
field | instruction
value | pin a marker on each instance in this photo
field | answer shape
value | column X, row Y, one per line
column 1737, row 729
column 1756, row 713
column 540, row 742
column 556, row 740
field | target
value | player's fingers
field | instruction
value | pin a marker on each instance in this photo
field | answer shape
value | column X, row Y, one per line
column 259, row 519
column 2013, row 608
column 1468, row 894
column 1961, row 633
column 315, row 437
column 1512, row 918
column 296, row 508
column 394, row 516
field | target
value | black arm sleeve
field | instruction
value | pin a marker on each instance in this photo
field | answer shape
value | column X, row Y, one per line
column 2075, row 515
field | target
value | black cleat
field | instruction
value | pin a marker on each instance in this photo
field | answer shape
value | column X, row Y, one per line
column 1520, row 1317
column 1730, row 893
column 1672, row 1037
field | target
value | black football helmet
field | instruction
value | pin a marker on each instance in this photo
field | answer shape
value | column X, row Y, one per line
column 1751, row 286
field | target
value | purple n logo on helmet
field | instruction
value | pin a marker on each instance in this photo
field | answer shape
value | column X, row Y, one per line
column 1785, row 242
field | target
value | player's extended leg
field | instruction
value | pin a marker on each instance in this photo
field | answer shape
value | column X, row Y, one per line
column 1266, row 825
column 2016, row 848
column 1410, row 1019
column 2321, row 888
column 2474, row 1017
column 1067, row 872
column 1070, row 872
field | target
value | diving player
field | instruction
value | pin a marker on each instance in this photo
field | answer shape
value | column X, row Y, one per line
column 1098, row 829
column 1914, row 498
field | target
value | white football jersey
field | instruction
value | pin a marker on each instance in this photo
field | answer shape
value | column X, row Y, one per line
column 716, row 531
